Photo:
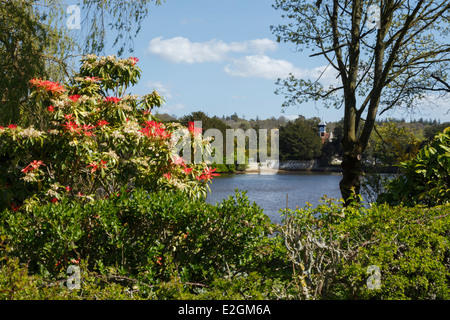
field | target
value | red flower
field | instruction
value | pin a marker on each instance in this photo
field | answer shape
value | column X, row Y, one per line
column 54, row 200
column 207, row 174
column 33, row 165
column 27, row 169
column 36, row 164
column 68, row 189
column 192, row 129
column 68, row 116
column 154, row 129
column 177, row 160
column 75, row 97
column 187, row 170
column 134, row 59
column 112, row 99
column 95, row 166
column 72, row 127
column 102, row 123
column 51, row 108
column 86, row 129
column 49, row 86
column 167, row 175
column 89, row 134
column 12, row 126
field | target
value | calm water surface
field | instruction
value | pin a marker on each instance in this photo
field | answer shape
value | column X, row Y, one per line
column 269, row 190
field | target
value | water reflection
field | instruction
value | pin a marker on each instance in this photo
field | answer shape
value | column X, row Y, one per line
column 269, row 190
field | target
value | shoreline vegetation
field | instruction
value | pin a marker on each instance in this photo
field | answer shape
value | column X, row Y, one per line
column 152, row 236
column 329, row 168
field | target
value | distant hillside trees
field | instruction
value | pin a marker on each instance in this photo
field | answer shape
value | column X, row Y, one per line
column 299, row 140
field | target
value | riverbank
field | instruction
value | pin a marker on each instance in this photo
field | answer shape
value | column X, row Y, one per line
column 307, row 166
column 331, row 169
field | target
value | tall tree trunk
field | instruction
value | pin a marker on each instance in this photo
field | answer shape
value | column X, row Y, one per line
column 350, row 184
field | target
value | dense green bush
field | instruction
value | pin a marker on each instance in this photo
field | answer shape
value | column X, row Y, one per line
column 410, row 246
column 332, row 248
column 142, row 245
column 148, row 237
column 425, row 179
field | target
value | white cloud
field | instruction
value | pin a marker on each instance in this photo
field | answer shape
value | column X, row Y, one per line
column 261, row 66
column 161, row 88
column 256, row 64
column 173, row 108
column 182, row 50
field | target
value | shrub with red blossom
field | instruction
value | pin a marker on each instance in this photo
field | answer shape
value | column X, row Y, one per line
column 96, row 138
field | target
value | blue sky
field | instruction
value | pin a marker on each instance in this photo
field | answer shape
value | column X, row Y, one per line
column 220, row 57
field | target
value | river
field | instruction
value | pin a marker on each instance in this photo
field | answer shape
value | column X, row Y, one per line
column 269, row 190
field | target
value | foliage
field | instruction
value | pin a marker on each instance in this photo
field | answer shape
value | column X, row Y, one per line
column 299, row 140
column 431, row 130
column 35, row 42
column 392, row 144
column 158, row 246
column 332, row 248
column 424, row 179
column 369, row 68
column 27, row 39
column 125, row 19
column 146, row 236
column 93, row 139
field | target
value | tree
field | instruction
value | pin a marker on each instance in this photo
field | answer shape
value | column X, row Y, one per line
column 430, row 131
column 299, row 140
column 36, row 42
column 125, row 18
column 378, row 68
column 425, row 179
column 29, row 47
column 392, row 144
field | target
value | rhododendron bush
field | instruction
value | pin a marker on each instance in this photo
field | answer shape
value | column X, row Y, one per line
column 94, row 139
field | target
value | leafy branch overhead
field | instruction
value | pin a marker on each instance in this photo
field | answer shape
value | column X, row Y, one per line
column 125, row 17
column 375, row 70
column 35, row 42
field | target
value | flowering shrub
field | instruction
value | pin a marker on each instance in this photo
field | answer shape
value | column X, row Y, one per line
column 95, row 138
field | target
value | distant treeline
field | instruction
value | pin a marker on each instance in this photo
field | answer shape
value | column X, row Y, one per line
column 392, row 141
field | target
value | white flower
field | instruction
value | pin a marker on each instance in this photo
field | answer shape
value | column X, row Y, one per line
column 58, row 103
column 51, row 193
column 30, row 133
column 125, row 107
column 117, row 135
column 29, row 177
column 112, row 154
column 54, row 132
